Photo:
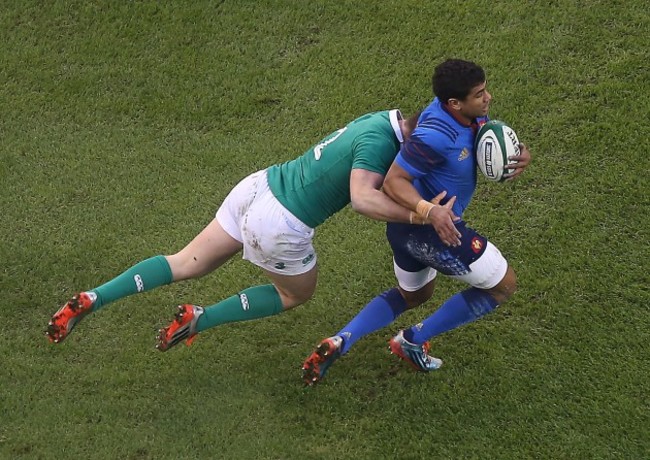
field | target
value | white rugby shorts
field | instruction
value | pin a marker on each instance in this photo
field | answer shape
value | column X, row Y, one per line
column 273, row 237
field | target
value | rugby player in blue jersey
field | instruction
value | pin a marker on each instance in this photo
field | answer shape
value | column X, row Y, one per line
column 436, row 161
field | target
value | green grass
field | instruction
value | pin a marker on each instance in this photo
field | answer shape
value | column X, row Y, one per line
column 123, row 126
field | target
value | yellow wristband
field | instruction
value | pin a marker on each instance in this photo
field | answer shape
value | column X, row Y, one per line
column 424, row 207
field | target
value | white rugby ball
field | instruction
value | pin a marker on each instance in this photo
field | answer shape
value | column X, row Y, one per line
column 495, row 142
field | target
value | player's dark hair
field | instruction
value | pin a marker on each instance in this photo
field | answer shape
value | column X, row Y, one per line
column 455, row 78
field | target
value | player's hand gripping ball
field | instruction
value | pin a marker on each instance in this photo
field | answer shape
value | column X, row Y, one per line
column 495, row 142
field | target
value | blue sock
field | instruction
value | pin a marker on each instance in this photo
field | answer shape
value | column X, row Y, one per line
column 459, row 309
column 378, row 313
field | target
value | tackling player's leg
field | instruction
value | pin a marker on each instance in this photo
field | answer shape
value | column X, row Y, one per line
column 143, row 276
column 182, row 328
column 255, row 302
column 207, row 251
column 272, row 239
column 67, row 317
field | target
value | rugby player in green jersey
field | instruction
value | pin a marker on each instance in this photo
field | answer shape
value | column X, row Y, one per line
column 270, row 217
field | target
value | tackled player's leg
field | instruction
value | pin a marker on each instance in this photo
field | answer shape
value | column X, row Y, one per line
column 476, row 262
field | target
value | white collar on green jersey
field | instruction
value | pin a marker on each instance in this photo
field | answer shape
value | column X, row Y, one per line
column 395, row 116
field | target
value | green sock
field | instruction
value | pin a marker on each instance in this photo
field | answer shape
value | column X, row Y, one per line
column 252, row 303
column 143, row 276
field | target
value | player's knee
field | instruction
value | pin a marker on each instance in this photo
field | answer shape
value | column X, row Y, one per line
column 510, row 282
column 416, row 298
column 291, row 299
column 181, row 269
column 506, row 287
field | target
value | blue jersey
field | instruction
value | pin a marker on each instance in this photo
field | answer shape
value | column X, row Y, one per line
column 440, row 156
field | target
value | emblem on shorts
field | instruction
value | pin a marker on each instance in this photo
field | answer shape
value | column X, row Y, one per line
column 308, row 259
column 463, row 154
column 280, row 266
column 477, row 244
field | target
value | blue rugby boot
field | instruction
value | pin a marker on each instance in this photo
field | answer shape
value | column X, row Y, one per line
column 416, row 355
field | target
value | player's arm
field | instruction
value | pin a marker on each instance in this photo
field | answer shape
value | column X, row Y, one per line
column 399, row 186
column 367, row 198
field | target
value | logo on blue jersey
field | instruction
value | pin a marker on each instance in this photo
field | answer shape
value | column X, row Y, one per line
column 463, row 154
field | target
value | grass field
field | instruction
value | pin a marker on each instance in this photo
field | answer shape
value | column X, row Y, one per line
column 124, row 124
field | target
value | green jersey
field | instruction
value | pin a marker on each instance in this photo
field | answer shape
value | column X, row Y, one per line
column 316, row 185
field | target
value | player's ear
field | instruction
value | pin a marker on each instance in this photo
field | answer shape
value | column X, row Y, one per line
column 453, row 103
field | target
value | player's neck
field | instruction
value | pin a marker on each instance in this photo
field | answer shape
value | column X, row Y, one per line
column 456, row 115
column 408, row 125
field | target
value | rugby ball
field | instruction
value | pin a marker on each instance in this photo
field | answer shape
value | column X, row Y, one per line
column 495, row 142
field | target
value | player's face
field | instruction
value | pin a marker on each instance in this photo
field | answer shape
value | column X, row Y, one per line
column 477, row 102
